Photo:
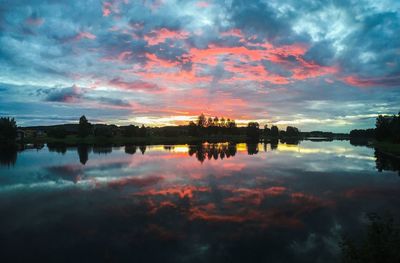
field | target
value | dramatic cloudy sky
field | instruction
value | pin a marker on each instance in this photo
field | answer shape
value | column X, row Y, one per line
column 327, row 65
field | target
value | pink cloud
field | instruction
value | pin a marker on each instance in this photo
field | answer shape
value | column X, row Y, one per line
column 202, row 4
column 179, row 76
column 375, row 81
column 107, row 7
column 34, row 21
column 84, row 35
column 159, row 36
column 181, row 191
column 154, row 62
column 136, row 85
column 135, row 181
column 112, row 6
column 124, row 55
column 245, row 62
column 235, row 32
column 246, row 72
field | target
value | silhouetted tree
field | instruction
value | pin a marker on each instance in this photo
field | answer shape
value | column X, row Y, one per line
column 210, row 126
column 232, row 127
column 84, row 127
column 379, row 244
column 8, row 130
column 274, row 131
column 192, row 129
column 143, row 131
column 252, row 131
column 292, row 132
column 382, row 130
column 57, row 132
column 201, row 121
column 222, row 122
column 368, row 133
column 103, row 131
column 210, row 122
column 388, row 128
column 130, row 131
column 216, row 121
column 267, row 131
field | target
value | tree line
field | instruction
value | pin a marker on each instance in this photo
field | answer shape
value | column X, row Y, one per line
column 202, row 127
column 212, row 126
column 221, row 126
column 387, row 128
column 85, row 129
column 8, row 130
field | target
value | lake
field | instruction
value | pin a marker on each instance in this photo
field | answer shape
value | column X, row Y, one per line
column 177, row 203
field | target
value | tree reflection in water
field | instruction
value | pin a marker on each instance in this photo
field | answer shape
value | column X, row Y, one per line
column 83, row 152
column 130, row 149
column 212, row 151
column 102, row 149
column 386, row 162
column 8, row 156
column 57, row 147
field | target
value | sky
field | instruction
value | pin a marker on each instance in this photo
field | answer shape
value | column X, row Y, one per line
column 317, row 65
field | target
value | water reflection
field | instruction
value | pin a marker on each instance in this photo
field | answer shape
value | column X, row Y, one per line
column 130, row 149
column 8, row 156
column 212, row 151
column 224, row 202
column 386, row 162
column 252, row 148
column 202, row 152
column 142, row 148
column 83, row 152
column 57, row 147
column 102, row 149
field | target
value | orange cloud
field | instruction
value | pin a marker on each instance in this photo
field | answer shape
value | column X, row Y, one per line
column 135, row 181
column 181, row 191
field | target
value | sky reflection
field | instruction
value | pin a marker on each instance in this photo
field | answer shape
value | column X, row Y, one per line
column 222, row 202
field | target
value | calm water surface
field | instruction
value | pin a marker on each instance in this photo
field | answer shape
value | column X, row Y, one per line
column 209, row 203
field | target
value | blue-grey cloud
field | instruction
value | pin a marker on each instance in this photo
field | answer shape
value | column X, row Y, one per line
column 138, row 58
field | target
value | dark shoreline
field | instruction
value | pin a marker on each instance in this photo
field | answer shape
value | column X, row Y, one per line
column 156, row 140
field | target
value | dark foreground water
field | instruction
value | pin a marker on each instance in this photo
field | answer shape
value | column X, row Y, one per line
column 210, row 203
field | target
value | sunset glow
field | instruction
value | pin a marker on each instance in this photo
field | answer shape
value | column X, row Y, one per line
column 318, row 66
